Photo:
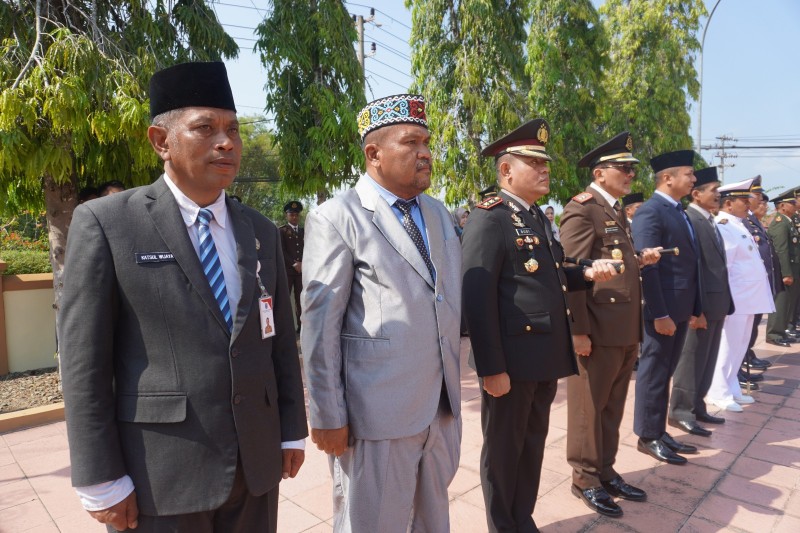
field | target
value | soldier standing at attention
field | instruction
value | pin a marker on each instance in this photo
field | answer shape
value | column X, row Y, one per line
column 514, row 300
column 785, row 237
column 292, row 240
column 606, row 328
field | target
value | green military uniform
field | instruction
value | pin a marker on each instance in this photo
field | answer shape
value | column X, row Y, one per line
column 794, row 318
column 786, row 238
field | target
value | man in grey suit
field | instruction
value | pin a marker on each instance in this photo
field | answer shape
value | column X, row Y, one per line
column 695, row 368
column 380, row 338
column 182, row 386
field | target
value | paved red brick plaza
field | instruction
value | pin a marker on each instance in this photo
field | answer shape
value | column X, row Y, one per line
column 745, row 478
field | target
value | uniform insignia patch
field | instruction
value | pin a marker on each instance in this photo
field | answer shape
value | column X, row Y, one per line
column 723, row 221
column 582, row 197
column 778, row 218
column 490, row 202
column 514, row 207
column 610, row 223
column 516, row 220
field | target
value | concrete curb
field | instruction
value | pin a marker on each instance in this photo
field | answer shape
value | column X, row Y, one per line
column 35, row 416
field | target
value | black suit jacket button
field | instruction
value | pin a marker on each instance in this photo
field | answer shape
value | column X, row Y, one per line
column 235, row 353
column 237, row 399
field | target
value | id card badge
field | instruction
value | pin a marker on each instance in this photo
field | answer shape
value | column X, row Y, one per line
column 265, row 308
column 267, row 317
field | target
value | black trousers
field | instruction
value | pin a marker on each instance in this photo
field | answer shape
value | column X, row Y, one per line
column 295, row 280
column 750, row 354
column 241, row 513
column 694, row 372
column 514, row 432
column 660, row 354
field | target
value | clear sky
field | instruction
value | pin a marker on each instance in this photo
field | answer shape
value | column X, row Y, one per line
column 751, row 90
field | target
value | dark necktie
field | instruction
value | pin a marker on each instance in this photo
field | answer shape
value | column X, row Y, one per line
column 685, row 218
column 413, row 232
column 623, row 221
column 716, row 232
column 212, row 267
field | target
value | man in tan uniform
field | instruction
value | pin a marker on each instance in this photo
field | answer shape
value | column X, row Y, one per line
column 607, row 327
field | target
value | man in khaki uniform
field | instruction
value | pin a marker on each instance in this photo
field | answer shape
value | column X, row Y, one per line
column 607, row 327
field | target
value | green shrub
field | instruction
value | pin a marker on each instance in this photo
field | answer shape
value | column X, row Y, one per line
column 26, row 262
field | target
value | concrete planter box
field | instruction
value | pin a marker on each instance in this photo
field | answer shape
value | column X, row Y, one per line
column 27, row 322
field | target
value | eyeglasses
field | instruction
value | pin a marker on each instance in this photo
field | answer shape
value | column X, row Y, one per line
column 627, row 169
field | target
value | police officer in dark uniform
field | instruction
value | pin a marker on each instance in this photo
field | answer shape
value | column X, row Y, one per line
column 514, row 301
column 607, row 326
column 292, row 240
column 786, row 238
column 758, row 208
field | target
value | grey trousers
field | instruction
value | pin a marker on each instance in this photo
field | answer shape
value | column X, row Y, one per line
column 694, row 372
column 397, row 485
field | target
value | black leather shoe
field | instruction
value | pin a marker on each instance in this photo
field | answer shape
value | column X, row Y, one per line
column 791, row 340
column 753, row 376
column 709, row 419
column 636, row 365
column 753, row 365
column 598, row 500
column 675, row 446
column 689, row 426
column 659, row 450
column 619, row 489
column 763, row 362
column 778, row 342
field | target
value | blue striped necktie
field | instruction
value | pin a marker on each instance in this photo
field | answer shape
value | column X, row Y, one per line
column 212, row 267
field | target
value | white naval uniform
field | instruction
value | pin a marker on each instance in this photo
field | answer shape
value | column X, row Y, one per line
column 751, row 294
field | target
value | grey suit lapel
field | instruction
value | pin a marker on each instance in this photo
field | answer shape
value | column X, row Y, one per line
column 246, row 262
column 166, row 216
column 705, row 231
column 387, row 223
column 433, row 227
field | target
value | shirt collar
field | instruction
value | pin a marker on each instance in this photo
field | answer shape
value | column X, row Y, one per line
column 669, row 198
column 610, row 199
column 525, row 204
column 702, row 211
column 189, row 209
column 390, row 197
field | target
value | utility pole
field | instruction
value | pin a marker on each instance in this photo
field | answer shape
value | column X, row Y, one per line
column 360, row 20
column 723, row 155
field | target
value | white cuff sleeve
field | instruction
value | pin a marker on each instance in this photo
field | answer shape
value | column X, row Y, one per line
column 104, row 495
column 295, row 444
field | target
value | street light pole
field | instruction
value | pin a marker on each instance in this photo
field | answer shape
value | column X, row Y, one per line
column 700, row 92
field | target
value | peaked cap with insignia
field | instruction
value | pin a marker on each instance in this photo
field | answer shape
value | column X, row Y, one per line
column 740, row 189
column 530, row 140
column 293, row 207
column 756, row 187
column 680, row 158
column 190, row 85
column 617, row 150
column 787, row 196
column 705, row 175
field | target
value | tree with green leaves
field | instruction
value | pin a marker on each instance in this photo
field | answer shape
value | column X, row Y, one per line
column 316, row 89
column 468, row 62
column 651, row 76
column 73, row 95
column 258, row 182
column 566, row 54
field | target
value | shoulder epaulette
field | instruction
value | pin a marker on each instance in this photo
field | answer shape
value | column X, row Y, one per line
column 777, row 218
column 582, row 197
column 489, row 202
column 722, row 221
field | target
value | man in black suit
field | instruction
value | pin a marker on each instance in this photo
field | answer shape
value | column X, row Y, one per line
column 182, row 388
column 671, row 290
column 695, row 368
column 514, row 300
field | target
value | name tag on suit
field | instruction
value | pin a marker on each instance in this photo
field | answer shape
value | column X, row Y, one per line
column 143, row 258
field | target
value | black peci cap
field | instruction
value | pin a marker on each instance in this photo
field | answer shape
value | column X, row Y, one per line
column 705, row 175
column 190, row 85
column 633, row 198
column 680, row 158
